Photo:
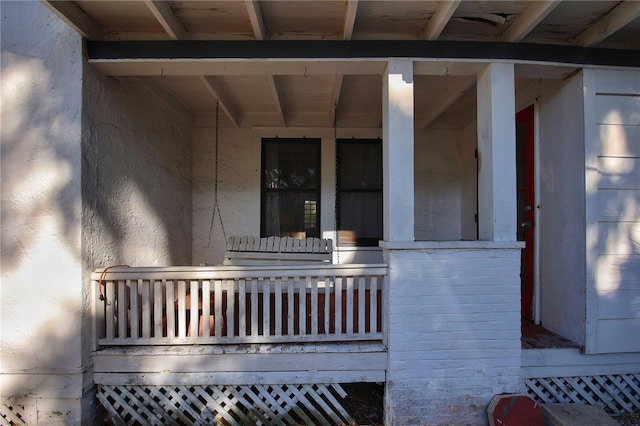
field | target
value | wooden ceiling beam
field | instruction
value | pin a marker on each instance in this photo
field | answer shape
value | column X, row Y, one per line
column 617, row 18
column 349, row 19
column 440, row 18
column 347, row 33
column 214, row 86
column 528, row 19
column 276, row 99
column 257, row 24
column 445, row 99
column 165, row 16
column 76, row 18
column 255, row 17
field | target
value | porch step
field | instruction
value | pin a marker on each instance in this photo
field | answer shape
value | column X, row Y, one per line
column 575, row 415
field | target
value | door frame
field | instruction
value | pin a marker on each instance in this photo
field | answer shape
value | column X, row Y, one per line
column 536, row 208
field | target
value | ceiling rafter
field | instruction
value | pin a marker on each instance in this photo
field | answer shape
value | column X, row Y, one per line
column 259, row 31
column 349, row 19
column 255, row 17
column 439, row 19
column 445, row 99
column 617, row 18
column 214, row 86
column 347, row 32
column 165, row 16
column 76, row 18
column 528, row 19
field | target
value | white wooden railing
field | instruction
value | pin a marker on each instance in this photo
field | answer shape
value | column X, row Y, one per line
column 227, row 304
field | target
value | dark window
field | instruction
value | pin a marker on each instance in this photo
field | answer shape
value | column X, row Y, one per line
column 290, row 188
column 359, row 191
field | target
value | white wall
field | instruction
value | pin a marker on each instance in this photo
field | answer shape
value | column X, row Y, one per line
column 43, row 301
column 136, row 175
column 467, row 144
column 561, row 212
column 438, row 179
column 239, row 185
column 453, row 336
column 612, row 128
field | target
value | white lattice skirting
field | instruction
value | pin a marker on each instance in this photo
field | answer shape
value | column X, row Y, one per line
column 618, row 393
column 315, row 404
column 11, row 413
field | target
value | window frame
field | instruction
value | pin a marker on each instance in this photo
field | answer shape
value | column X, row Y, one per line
column 264, row 191
column 358, row 242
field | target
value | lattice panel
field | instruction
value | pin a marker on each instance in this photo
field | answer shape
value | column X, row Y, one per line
column 11, row 413
column 619, row 393
column 315, row 404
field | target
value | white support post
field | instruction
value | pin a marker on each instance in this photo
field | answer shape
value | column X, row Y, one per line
column 497, row 153
column 398, row 141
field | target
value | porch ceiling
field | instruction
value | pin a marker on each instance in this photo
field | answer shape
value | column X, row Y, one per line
column 303, row 93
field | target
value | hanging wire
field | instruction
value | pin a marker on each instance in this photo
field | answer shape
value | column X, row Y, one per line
column 335, row 192
column 216, row 205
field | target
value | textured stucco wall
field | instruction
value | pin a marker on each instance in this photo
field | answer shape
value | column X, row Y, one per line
column 239, row 185
column 136, row 175
column 453, row 331
column 42, row 303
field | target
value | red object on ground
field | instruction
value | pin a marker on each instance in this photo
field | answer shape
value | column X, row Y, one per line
column 514, row 410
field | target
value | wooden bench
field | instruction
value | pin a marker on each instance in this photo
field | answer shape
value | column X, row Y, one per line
column 247, row 251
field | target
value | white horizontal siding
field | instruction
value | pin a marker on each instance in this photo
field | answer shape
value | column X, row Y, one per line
column 616, row 316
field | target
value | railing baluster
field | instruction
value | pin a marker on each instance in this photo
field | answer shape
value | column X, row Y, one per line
column 111, row 308
column 314, row 306
column 242, row 307
column 146, row 309
column 158, row 317
column 338, row 306
column 134, row 302
column 254, row 307
column 373, row 306
column 290, row 307
column 217, row 300
column 349, row 306
column 122, row 310
column 266, row 311
column 278, row 307
column 170, row 308
column 327, row 303
column 362, row 294
column 206, row 308
column 182, row 308
column 194, row 321
column 302, row 305
column 231, row 312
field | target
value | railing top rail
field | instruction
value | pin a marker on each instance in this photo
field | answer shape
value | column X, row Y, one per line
column 228, row 272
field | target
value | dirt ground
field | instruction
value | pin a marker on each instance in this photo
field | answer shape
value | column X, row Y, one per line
column 632, row 419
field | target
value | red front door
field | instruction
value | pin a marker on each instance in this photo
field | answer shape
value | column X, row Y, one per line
column 526, row 204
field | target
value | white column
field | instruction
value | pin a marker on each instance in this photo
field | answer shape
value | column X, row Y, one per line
column 497, row 153
column 398, row 166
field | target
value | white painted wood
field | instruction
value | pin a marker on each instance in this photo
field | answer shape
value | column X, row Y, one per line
column 214, row 86
column 398, row 150
column 496, row 151
column 618, row 110
column 247, row 251
column 235, row 365
column 445, row 99
column 165, row 16
column 528, row 20
column 255, row 16
column 76, row 18
column 622, row 238
column 439, row 19
column 170, row 308
column 619, row 141
column 620, row 173
column 617, row 18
